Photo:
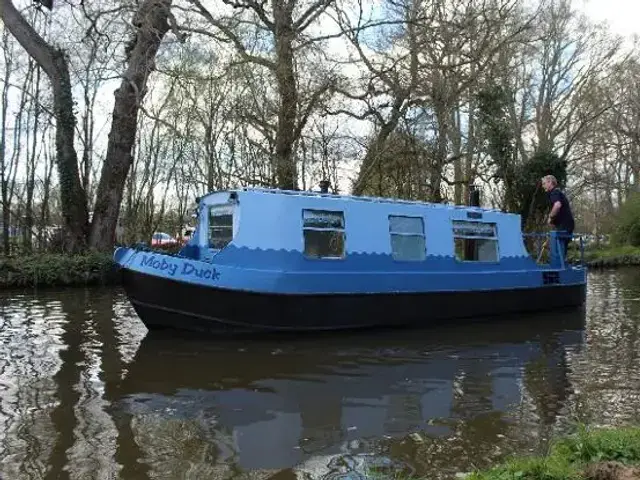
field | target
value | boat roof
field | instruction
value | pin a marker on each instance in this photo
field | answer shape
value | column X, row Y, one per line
column 354, row 198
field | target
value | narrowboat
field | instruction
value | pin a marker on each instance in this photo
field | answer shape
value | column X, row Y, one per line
column 273, row 260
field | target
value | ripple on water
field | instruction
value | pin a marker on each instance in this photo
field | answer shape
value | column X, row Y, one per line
column 85, row 389
column 30, row 344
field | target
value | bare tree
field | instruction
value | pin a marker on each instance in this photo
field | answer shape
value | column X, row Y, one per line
column 428, row 69
column 4, row 168
column 285, row 21
column 151, row 23
column 54, row 63
column 389, row 83
column 32, row 151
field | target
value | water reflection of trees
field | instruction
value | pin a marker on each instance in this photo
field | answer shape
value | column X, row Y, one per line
column 52, row 351
column 83, row 395
column 119, row 333
column 177, row 448
column 606, row 375
column 29, row 357
column 486, row 425
column 69, row 390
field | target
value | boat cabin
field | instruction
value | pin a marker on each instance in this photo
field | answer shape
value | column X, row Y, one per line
column 320, row 227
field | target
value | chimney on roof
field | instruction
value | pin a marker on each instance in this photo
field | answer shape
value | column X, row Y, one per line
column 45, row 3
column 474, row 196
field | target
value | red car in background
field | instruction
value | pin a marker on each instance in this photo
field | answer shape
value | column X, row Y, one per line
column 161, row 238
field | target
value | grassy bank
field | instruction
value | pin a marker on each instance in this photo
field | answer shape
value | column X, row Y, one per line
column 600, row 454
column 51, row 270
column 609, row 257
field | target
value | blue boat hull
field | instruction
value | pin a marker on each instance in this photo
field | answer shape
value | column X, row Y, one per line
column 162, row 302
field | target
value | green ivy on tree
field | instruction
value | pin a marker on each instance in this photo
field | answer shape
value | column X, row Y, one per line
column 530, row 198
column 522, row 189
column 499, row 139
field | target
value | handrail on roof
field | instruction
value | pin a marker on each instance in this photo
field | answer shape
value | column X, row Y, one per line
column 307, row 193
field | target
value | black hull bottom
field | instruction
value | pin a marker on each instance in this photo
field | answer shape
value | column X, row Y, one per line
column 163, row 303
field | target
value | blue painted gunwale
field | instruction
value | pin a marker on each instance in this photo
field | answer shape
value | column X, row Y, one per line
column 266, row 254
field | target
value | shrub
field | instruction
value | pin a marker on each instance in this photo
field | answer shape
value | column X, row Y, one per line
column 57, row 270
column 627, row 221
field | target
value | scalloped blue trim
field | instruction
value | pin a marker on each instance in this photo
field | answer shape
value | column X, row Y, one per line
column 361, row 262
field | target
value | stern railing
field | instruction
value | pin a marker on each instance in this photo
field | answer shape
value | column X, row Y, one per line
column 546, row 248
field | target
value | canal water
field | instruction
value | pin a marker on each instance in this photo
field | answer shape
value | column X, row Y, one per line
column 86, row 392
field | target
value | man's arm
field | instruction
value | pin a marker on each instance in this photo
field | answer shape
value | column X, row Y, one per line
column 556, row 204
column 555, row 197
column 554, row 210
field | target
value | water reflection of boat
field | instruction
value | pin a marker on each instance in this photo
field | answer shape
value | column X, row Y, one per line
column 270, row 404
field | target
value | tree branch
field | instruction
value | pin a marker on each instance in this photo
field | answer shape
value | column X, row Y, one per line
column 310, row 15
column 256, row 7
column 230, row 35
column 27, row 36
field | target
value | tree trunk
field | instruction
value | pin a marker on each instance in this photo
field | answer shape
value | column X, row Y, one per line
column 471, row 149
column 372, row 158
column 440, row 158
column 54, row 63
column 3, row 142
column 152, row 25
column 286, row 174
column 373, row 154
column 73, row 197
column 31, row 167
column 456, row 141
column 6, row 223
column 45, row 213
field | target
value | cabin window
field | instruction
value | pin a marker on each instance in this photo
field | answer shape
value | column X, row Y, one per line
column 475, row 241
column 323, row 233
column 407, row 238
column 220, row 226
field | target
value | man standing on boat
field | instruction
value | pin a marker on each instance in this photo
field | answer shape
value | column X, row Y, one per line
column 560, row 216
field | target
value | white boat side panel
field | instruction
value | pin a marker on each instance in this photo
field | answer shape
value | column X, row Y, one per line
column 274, row 222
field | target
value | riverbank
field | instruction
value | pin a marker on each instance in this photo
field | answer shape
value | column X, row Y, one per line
column 589, row 454
column 609, row 257
column 56, row 270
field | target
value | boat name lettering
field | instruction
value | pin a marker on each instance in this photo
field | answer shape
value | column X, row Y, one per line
column 206, row 273
column 172, row 268
column 161, row 265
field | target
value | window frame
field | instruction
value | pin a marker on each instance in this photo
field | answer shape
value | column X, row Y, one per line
column 493, row 238
column 342, row 230
column 230, row 210
column 422, row 235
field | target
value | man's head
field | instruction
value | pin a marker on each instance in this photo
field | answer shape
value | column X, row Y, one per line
column 549, row 182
